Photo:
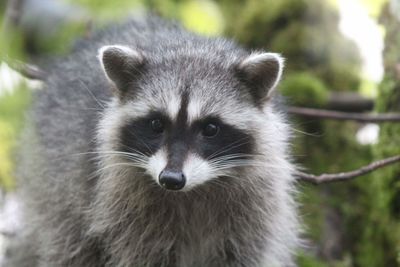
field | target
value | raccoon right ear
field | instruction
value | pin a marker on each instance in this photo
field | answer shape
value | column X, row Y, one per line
column 261, row 72
column 120, row 64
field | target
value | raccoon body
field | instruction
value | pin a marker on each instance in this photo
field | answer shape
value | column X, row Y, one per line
column 153, row 146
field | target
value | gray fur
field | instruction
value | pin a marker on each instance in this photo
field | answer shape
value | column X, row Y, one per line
column 78, row 212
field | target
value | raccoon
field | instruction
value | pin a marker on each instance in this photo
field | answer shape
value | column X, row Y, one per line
column 153, row 146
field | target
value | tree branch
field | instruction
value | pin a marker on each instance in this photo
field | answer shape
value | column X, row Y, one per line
column 343, row 176
column 7, row 234
column 338, row 115
column 27, row 70
column 349, row 102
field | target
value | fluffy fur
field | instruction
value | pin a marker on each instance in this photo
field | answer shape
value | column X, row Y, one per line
column 89, row 204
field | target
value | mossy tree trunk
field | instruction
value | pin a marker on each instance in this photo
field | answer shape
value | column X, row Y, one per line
column 379, row 237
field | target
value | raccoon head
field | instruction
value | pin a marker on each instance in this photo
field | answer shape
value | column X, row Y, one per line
column 188, row 117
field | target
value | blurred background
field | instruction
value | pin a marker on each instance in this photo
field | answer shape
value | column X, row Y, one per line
column 341, row 54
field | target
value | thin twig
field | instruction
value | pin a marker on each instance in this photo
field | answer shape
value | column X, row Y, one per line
column 7, row 234
column 29, row 71
column 343, row 176
column 338, row 115
column 349, row 102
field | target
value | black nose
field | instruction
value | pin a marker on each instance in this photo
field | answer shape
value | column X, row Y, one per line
column 172, row 180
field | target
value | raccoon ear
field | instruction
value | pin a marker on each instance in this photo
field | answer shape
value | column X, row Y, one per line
column 261, row 72
column 120, row 64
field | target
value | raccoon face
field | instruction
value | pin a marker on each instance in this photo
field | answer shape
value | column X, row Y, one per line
column 186, row 120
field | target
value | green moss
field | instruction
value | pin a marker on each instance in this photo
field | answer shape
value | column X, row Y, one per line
column 305, row 260
column 304, row 89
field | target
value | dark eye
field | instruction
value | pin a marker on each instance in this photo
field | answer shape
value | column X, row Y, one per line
column 210, row 130
column 157, row 125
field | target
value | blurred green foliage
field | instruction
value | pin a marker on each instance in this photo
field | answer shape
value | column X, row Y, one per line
column 11, row 42
column 374, row 7
column 106, row 10
column 310, row 91
column 61, row 41
column 12, row 107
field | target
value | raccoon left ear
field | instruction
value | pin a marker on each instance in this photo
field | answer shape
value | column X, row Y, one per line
column 120, row 64
column 261, row 72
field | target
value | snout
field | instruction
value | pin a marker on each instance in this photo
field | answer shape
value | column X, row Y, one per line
column 172, row 180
